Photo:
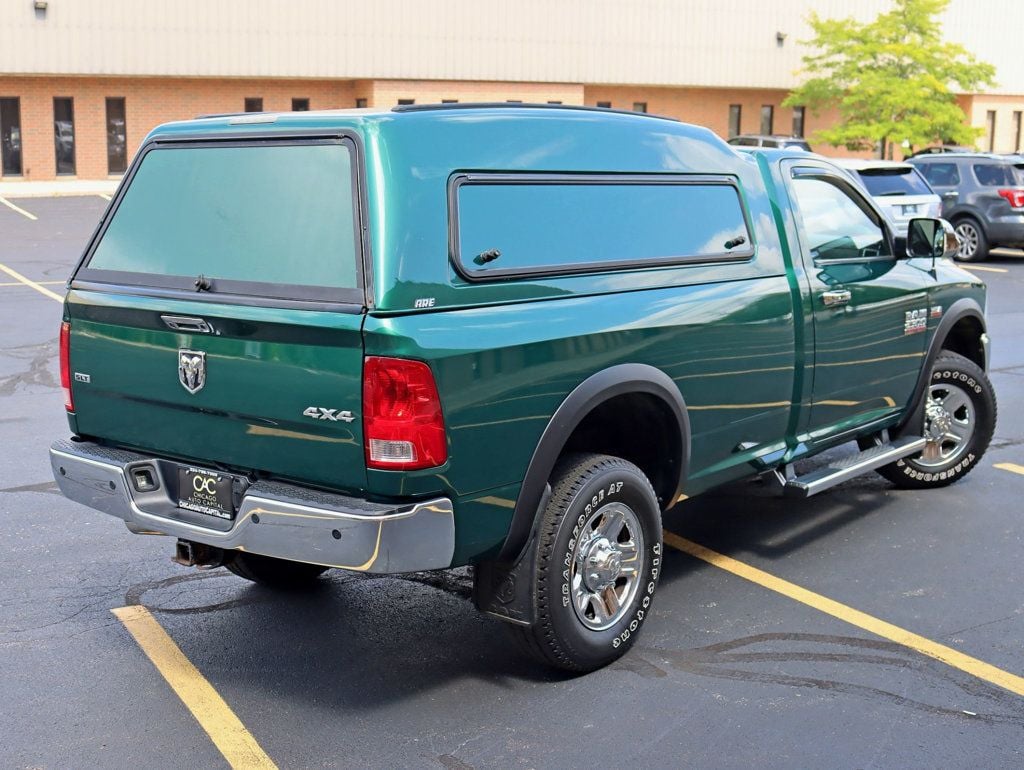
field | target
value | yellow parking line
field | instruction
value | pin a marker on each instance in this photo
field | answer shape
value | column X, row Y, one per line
column 949, row 656
column 104, row 196
column 41, row 283
column 29, row 282
column 20, row 210
column 984, row 269
column 1011, row 467
column 228, row 734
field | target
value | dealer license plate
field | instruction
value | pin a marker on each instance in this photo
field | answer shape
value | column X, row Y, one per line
column 206, row 492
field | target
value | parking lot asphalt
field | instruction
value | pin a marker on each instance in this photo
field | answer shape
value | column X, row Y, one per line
column 403, row 672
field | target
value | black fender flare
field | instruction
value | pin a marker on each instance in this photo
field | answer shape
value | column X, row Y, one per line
column 965, row 307
column 606, row 384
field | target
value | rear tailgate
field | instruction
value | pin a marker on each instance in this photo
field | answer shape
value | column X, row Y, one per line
column 217, row 317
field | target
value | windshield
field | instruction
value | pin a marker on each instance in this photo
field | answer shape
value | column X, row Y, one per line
column 272, row 220
column 893, row 181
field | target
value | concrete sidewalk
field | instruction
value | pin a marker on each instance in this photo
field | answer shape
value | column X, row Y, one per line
column 58, row 187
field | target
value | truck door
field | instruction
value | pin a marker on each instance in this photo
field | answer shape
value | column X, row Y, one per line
column 870, row 309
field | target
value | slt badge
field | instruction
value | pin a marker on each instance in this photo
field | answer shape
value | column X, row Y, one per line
column 192, row 370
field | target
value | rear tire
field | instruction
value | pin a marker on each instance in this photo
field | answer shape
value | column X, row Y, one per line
column 973, row 243
column 959, row 417
column 274, row 573
column 598, row 560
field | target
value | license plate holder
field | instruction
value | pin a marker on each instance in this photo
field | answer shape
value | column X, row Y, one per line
column 207, row 492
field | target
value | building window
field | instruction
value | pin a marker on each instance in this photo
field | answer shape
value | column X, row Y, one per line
column 735, row 113
column 449, row 101
column 990, row 129
column 407, row 101
column 639, row 106
column 254, row 104
column 513, row 101
column 1016, row 131
column 767, row 119
column 798, row 121
column 10, row 136
column 300, row 105
column 360, row 103
column 555, row 102
column 605, row 105
column 64, row 133
column 117, row 136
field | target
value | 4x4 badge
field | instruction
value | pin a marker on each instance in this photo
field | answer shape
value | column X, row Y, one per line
column 192, row 370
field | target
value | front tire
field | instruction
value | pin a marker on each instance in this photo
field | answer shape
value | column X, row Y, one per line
column 598, row 560
column 959, row 418
column 973, row 243
column 274, row 573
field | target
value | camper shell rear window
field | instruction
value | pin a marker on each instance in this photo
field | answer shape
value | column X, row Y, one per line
column 271, row 219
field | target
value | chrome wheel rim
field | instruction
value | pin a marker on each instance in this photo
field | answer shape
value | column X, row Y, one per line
column 949, row 422
column 607, row 563
column 968, row 240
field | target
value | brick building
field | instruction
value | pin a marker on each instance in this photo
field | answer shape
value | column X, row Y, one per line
column 83, row 81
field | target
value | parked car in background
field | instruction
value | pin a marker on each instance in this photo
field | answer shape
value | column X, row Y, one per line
column 898, row 188
column 982, row 195
column 771, row 140
column 942, row 149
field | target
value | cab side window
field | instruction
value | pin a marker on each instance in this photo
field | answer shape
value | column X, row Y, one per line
column 835, row 224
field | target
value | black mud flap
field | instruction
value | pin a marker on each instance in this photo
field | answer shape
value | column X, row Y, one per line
column 508, row 589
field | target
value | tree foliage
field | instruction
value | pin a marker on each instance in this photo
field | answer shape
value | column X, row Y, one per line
column 891, row 79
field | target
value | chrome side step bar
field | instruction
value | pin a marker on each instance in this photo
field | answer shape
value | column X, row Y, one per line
column 849, row 467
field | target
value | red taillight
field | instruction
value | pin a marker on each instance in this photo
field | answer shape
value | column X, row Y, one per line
column 1014, row 196
column 403, row 427
column 65, row 365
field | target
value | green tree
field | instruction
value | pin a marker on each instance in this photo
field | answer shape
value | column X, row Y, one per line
column 890, row 79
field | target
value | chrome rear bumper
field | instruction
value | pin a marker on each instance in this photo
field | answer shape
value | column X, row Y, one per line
column 274, row 519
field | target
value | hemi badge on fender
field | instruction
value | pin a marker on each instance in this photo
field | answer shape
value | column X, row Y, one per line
column 936, row 312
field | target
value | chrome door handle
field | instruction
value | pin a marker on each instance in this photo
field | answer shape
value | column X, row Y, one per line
column 833, row 298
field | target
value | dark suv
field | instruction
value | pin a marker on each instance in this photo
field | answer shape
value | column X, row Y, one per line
column 982, row 195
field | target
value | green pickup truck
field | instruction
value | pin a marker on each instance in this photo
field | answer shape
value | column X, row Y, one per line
column 505, row 336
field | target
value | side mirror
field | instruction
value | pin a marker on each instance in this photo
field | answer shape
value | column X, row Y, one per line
column 931, row 238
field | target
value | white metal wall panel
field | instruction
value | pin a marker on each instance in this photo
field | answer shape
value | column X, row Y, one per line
column 714, row 43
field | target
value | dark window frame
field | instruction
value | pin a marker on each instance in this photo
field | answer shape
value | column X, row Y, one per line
column 360, row 103
column 461, row 179
column 300, row 104
column 254, row 293
column 640, row 107
column 406, row 101
column 1017, row 119
column 735, row 110
column 111, row 170
column 604, row 105
column 801, row 121
column 254, row 101
column 21, row 143
column 769, row 111
column 74, row 148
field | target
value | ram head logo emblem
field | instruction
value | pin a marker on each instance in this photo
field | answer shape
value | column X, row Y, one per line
column 192, row 370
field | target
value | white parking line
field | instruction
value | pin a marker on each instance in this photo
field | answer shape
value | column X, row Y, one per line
column 20, row 210
column 104, row 196
column 29, row 282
